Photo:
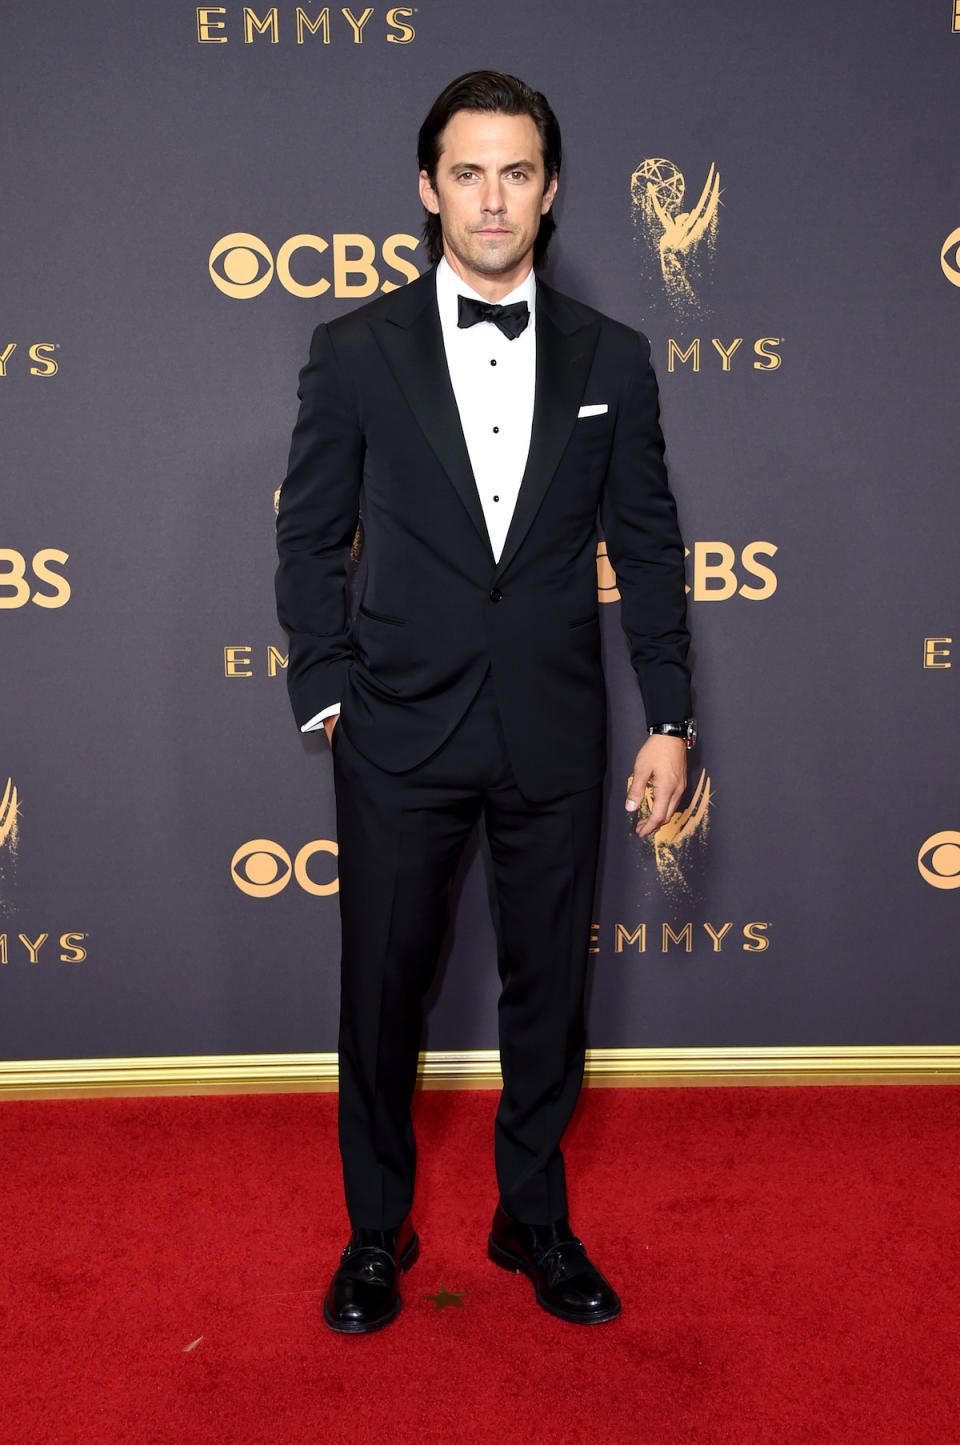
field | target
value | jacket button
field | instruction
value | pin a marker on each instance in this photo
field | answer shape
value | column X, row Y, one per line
column 496, row 595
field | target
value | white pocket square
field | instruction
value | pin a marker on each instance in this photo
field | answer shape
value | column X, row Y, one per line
column 596, row 410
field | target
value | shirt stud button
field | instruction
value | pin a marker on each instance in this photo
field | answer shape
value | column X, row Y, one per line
column 496, row 428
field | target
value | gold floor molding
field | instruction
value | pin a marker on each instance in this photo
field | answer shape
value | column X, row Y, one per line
column 480, row 1069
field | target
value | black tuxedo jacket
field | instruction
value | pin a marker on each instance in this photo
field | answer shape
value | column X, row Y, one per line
column 379, row 433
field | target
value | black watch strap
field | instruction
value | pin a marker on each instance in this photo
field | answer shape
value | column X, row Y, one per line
column 686, row 730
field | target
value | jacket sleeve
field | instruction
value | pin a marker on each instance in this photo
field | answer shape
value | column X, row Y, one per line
column 316, row 523
column 639, row 519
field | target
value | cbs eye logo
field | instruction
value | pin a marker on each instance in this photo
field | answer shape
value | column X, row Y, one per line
column 950, row 257
column 942, row 868
column 242, row 266
column 262, row 868
column 718, row 573
column 246, row 266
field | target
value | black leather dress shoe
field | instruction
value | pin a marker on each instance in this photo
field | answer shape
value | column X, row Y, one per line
column 363, row 1294
column 566, row 1283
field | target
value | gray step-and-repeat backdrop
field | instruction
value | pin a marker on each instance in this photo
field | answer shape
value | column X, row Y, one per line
column 771, row 192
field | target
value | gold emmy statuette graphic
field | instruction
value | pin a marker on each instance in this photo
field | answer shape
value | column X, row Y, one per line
column 950, row 257
column 9, row 813
column 656, row 191
column 942, row 868
column 9, row 825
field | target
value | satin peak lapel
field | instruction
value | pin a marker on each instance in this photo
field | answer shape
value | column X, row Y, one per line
column 412, row 342
column 566, row 341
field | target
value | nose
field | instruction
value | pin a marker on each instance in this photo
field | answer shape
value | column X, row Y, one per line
column 492, row 200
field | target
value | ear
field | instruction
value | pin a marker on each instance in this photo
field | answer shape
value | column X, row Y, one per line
column 548, row 195
column 428, row 195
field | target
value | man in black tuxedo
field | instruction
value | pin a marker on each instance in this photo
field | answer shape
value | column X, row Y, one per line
column 482, row 423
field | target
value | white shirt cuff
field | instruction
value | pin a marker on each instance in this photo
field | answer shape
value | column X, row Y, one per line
column 316, row 722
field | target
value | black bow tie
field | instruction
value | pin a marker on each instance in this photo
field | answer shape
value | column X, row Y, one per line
column 511, row 320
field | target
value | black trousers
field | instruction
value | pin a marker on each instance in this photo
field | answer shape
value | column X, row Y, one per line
column 400, row 839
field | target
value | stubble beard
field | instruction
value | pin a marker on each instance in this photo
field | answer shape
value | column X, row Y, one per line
column 492, row 258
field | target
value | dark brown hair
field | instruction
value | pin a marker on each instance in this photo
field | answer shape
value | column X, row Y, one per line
column 497, row 94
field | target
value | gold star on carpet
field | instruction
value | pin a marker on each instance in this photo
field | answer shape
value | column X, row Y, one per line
column 448, row 1297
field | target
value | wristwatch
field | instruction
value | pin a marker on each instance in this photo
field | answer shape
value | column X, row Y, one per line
column 686, row 730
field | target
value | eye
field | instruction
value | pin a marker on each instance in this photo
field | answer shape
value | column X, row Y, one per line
column 941, row 868
column 240, row 265
column 261, row 868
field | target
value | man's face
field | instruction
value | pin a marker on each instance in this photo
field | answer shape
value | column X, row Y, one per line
column 490, row 194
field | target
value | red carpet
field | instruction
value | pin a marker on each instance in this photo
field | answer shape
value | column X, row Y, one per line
column 788, row 1261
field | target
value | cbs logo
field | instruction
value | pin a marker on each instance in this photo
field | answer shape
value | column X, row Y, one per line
column 16, row 591
column 242, row 265
column 715, row 576
column 262, row 868
column 715, row 572
column 950, row 257
column 942, row 868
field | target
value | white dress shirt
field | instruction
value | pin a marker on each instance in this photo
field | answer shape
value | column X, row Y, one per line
column 493, row 380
